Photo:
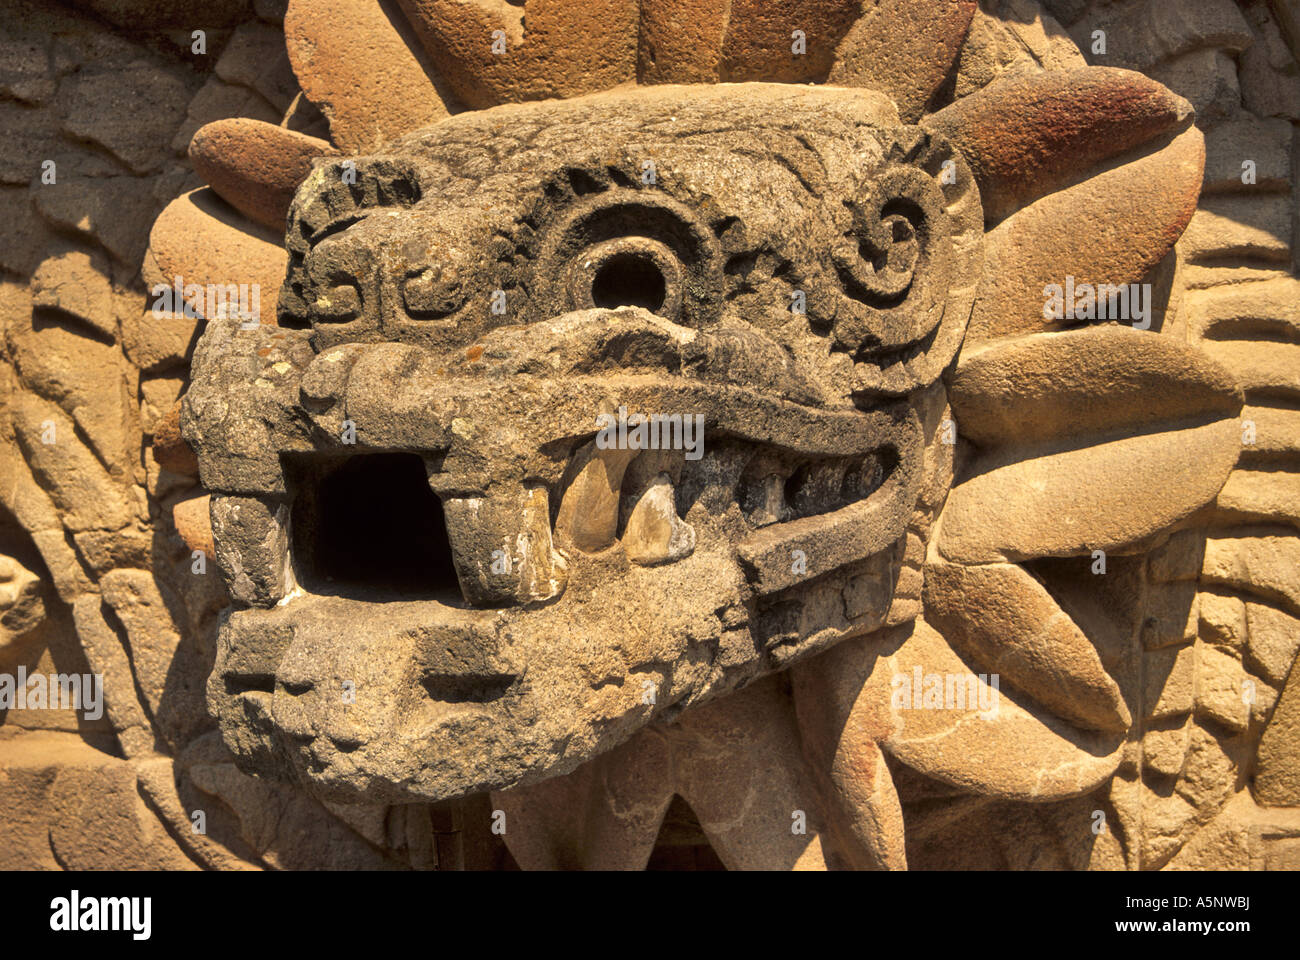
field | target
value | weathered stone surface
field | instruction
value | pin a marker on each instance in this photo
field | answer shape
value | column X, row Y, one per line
column 1207, row 79
column 34, row 138
column 397, row 473
column 84, row 491
column 1264, row 143
column 730, row 769
column 1248, row 310
column 1005, row 620
column 923, row 34
column 218, row 100
column 349, row 56
column 1142, row 33
column 162, row 341
column 1222, row 621
column 992, row 741
column 1277, row 774
column 1257, row 562
column 1165, row 751
column 252, row 548
column 167, row 669
column 249, row 423
column 26, row 75
column 759, row 41
column 1031, row 134
column 1170, row 687
column 1012, row 35
column 1255, row 227
column 158, row 395
column 255, row 167
column 1260, row 365
column 76, row 283
column 681, row 41
column 169, row 447
column 1072, row 234
column 1270, row 76
column 58, row 361
column 1033, row 390
column 1274, row 641
column 255, row 57
column 154, row 95
column 23, row 227
column 193, row 524
column 116, row 211
column 202, row 241
column 1180, row 558
column 1072, row 502
column 1209, row 773
column 1261, row 495
column 271, row 11
column 1172, row 614
column 1222, row 693
column 1028, row 405
column 544, row 49
column 69, row 805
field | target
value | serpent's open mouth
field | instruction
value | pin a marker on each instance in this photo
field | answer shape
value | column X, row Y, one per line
column 528, row 465
column 433, row 617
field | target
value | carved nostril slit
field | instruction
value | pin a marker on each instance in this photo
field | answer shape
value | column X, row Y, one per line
column 369, row 524
column 629, row 280
column 452, row 688
column 248, row 683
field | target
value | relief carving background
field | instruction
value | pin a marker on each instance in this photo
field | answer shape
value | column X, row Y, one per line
column 99, row 527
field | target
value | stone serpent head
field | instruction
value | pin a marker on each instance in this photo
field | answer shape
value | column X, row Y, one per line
column 446, row 579
column 854, row 440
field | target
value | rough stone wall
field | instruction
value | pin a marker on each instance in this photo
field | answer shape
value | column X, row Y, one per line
column 1214, row 779
column 97, row 578
column 100, row 575
column 1211, row 782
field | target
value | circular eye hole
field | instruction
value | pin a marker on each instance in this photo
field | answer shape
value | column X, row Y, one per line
column 629, row 280
column 627, row 272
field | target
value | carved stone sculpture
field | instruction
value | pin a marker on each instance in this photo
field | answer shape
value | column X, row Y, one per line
column 815, row 431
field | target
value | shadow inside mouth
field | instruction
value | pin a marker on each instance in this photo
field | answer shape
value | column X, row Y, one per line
column 368, row 526
column 459, row 688
column 777, row 487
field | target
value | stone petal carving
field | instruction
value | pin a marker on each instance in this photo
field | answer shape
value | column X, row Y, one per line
column 350, row 56
column 544, row 49
column 1034, row 390
column 220, row 153
column 210, row 246
column 982, row 752
column 607, row 633
column 1005, row 621
column 1149, row 465
column 1111, row 497
column 1075, row 233
column 1027, row 135
column 926, row 35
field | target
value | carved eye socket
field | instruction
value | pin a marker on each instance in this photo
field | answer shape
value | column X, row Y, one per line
column 627, row 272
column 627, row 279
column 626, row 248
